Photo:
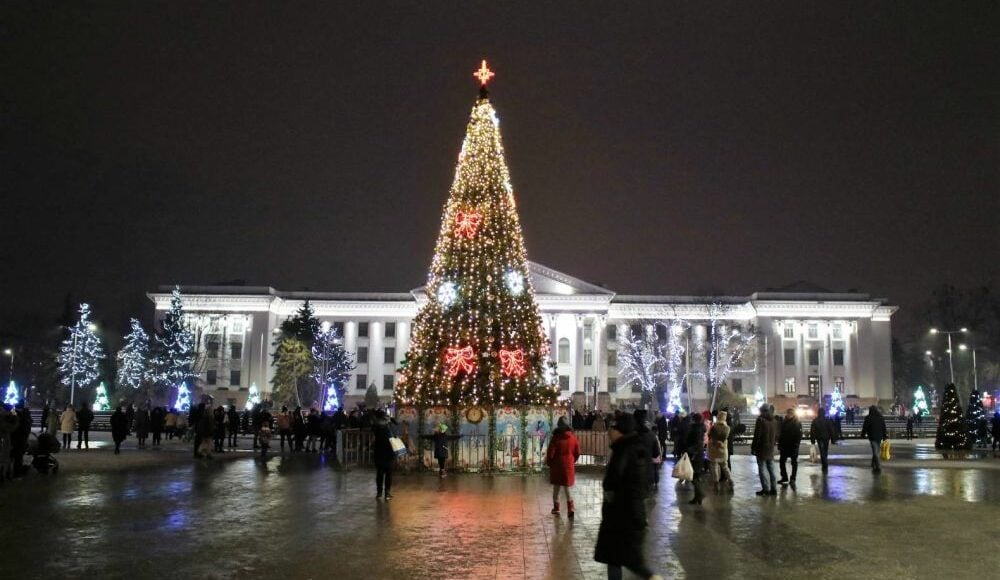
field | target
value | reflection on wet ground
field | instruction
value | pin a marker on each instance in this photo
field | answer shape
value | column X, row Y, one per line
column 297, row 517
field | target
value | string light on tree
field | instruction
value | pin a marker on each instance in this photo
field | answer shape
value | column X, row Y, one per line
column 253, row 397
column 12, row 396
column 836, row 403
column 101, row 402
column 920, row 402
column 478, row 309
column 183, row 403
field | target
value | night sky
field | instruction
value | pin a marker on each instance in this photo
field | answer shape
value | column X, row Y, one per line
column 653, row 149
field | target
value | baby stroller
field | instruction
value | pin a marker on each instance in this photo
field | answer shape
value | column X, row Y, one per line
column 42, row 448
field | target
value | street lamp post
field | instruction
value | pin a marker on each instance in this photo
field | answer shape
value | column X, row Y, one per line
column 951, row 365
column 975, row 372
column 10, row 352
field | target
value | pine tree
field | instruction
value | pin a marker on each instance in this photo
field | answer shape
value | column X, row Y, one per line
column 332, row 366
column 975, row 419
column 836, row 403
column 371, row 397
column 253, row 397
column 101, row 401
column 12, row 396
column 952, row 430
column 183, row 403
column 174, row 346
column 80, row 353
column 479, row 339
column 133, row 358
column 303, row 326
column 293, row 366
column 920, row 402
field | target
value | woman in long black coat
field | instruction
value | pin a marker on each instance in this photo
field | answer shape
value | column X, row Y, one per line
column 119, row 428
column 623, row 514
column 384, row 456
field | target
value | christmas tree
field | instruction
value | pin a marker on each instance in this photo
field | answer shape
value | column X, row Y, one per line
column 836, row 403
column 332, row 366
column 80, row 354
column 101, row 402
column 975, row 418
column 183, row 403
column 479, row 339
column 758, row 400
column 952, row 429
column 920, row 402
column 133, row 358
column 174, row 346
column 253, row 397
column 12, row 396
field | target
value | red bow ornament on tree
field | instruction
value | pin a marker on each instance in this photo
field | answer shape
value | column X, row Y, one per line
column 460, row 360
column 466, row 223
column 512, row 363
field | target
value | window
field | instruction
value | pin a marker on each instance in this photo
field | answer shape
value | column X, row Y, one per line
column 814, row 383
column 362, row 379
column 789, row 384
column 839, row 383
column 636, row 330
column 838, row 332
column 636, row 387
column 661, row 333
column 789, row 357
column 812, row 331
column 788, row 331
column 838, row 357
column 563, row 350
column 234, row 378
column 211, row 377
column 363, row 329
column 236, row 350
column 588, row 357
column 212, row 348
column 612, row 358
column 588, row 330
column 338, row 327
column 612, row 332
column 564, row 382
column 612, row 384
column 387, row 381
column 362, row 355
column 390, row 329
column 737, row 385
column 813, row 357
column 238, row 327
column 390, row 355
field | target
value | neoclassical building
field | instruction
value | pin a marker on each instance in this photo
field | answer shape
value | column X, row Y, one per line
column 808, row 340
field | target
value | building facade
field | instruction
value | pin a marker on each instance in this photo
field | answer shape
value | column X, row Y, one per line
column 807, row 341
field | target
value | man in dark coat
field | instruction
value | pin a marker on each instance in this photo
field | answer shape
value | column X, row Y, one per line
column 384, row 456
column 765, row 435
column 874, row 430
column 695, row 449
column 652, row 445
column 623, row 513
column 821, row 433
column 233, row 424
column 662, row 431
column 119, row 428
column 789, row 440
column 84, row 418
column 157, row 419
column 19, row 438
column 680, row 437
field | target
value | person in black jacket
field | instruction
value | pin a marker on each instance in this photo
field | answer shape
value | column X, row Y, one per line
column 874, row 429
column 157, row 418
column 648, row 438
column 233, row 424
column 695, row 449
column 662, row 430
column 821, row 432
column 623, row 513
column 119, row 428
column 384, row 456
column 219, row 429
column 789, row 439
column 84, row 418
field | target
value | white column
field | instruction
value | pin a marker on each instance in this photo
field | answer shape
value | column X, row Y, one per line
column 376, row 353
column 576, row 356
column 598, row 352
column 351, row 346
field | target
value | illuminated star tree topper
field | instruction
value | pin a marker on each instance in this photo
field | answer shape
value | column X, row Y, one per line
column 479, row 338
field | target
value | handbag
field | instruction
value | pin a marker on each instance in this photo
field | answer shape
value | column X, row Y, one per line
column 813, row 453
column 885, row 453
column 398, row 447
column 683, row 470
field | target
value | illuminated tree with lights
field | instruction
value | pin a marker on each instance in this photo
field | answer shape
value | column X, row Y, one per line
column 173, row 348
column 183, row 403
column 332, row 366
column 920, row 402
column 80, row 354
column 12, row 396
column 253, row 397
column 479, row 339
column 101, row 401
column 952, row 430
column 726, row 346
column 975, row 418
column 641, row 363
column 133, row 358
column 837, row 408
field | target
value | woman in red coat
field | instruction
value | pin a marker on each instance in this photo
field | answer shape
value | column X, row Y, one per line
column 561, row 458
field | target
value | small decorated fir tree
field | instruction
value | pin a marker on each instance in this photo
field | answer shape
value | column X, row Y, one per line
column 133, row 358
column 253, row 397
column 975, row 419
column 183, row 403
column 952, row 430
column 80, row 354
column 836, row 403
column 12, row 396
column 920, row 402
column 101, row 402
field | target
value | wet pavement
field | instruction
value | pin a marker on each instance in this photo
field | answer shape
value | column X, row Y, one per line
column 298, row 517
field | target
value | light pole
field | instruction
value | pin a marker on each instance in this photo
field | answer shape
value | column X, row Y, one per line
column 975, row 373
column 10, row 352
column 951, row 365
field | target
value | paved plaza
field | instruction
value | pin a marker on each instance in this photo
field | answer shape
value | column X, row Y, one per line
column 159, row 514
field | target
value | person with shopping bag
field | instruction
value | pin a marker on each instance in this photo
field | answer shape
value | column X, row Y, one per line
column 821, row 433
column 384, row 455
column 696, row 454
column 875, row 431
